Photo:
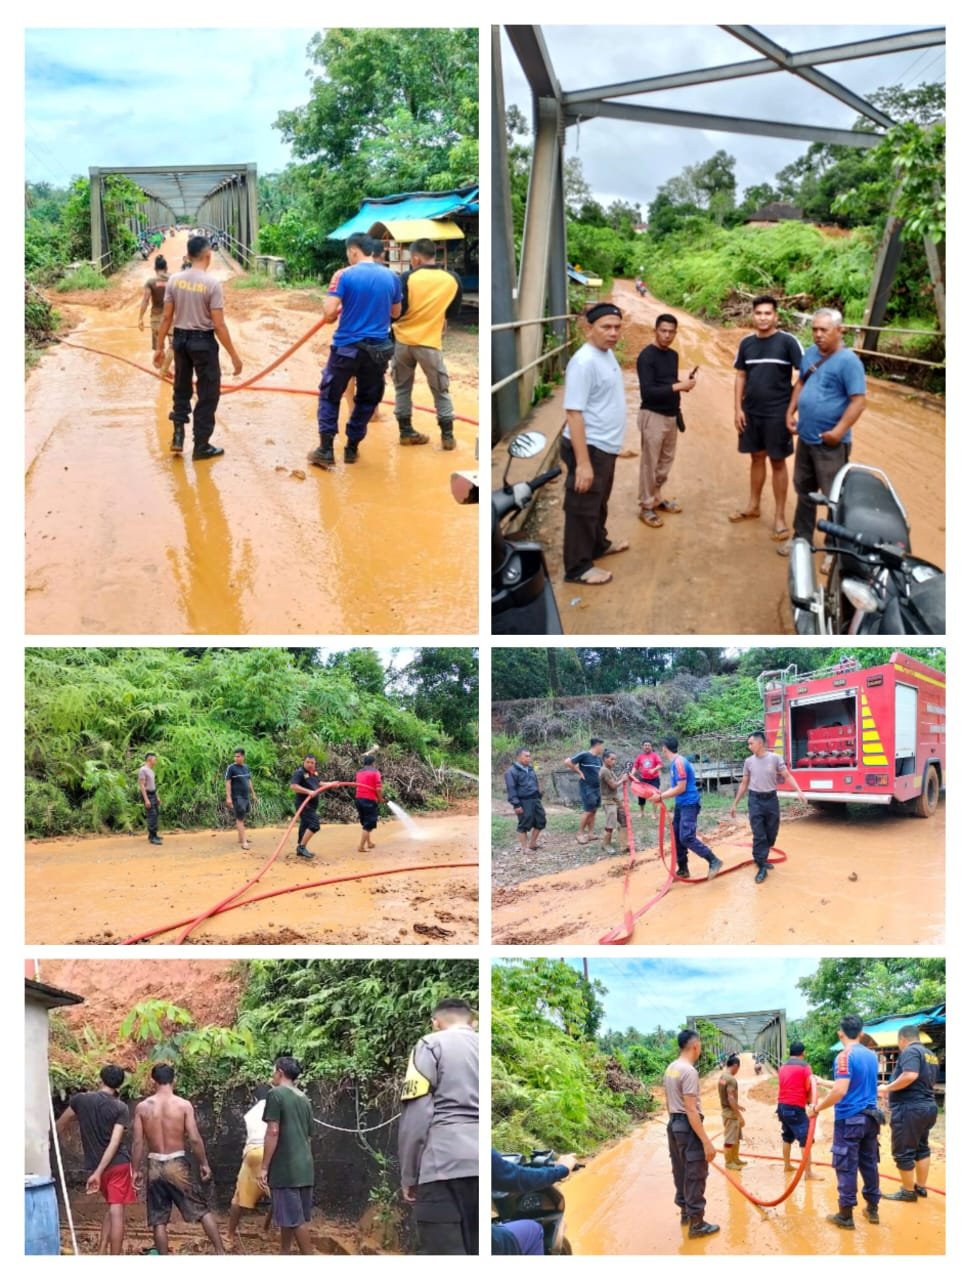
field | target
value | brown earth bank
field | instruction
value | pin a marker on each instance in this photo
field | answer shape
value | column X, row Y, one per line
column 700, row 574
column 103, row 889
column 125, row 538
column 605, row 1202
column 860, row 875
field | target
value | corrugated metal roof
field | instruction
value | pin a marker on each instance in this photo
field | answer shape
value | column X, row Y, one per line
column 406, row 230
column 883, row 1031
column 407, row 206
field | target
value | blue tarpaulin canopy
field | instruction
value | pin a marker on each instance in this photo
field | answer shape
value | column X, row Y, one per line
column 883, row 1031
column 411, row 206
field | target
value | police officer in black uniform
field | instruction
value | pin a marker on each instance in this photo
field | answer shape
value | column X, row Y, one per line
column 691, row 1150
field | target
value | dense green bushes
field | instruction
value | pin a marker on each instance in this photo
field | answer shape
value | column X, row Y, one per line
column 92, row 714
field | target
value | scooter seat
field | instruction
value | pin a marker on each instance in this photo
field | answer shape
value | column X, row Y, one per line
column 866, row 506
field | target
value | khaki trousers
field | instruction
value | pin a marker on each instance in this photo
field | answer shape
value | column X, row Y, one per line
column 658, row 444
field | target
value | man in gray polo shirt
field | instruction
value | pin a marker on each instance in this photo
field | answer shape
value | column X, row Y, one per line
column 691, row 1150
column 763, row 771
column 595, row 404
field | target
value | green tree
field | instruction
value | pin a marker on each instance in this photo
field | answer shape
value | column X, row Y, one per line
column 442, row 685
column 363, row 666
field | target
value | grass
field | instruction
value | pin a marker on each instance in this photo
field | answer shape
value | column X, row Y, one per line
column 254, row 280
column 714, row 809
column 85, row 277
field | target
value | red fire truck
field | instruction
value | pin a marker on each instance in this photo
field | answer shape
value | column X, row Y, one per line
column 871, row 735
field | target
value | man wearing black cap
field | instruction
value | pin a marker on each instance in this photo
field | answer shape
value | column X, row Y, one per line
column 595, row 404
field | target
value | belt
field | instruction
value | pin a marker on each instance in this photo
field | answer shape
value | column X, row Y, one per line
column 752, row 792
column 165, row 1157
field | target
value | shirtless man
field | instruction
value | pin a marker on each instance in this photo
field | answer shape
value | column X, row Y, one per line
column 165, row 1125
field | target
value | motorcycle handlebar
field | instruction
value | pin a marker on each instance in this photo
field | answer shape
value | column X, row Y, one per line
column 544, row 478
column 860, row 540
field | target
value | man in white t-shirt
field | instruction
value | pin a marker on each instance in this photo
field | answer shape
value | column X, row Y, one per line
column 595, row 404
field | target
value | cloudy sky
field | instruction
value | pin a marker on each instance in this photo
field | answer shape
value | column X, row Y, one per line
column 116, row 97
column 650, row 993
column 623, row 160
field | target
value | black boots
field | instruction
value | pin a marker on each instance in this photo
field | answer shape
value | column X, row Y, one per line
column 178, row 437
column 698, row 1227
column 207, row 451
column 350, row 451
column 447, row 434
column 843, row 1219
column 715, row 866
column 903, row 1194
column 322, row 456
column 408, row 435
column 761, row 876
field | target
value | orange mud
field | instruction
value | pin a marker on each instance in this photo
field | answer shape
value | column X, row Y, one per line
column 623, row 1201
column 105, row 889
column 125, row 538
column 699, row 574
column 864, row 876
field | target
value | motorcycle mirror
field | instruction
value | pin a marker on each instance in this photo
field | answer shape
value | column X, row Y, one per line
column 527, row 444
column 464, row 487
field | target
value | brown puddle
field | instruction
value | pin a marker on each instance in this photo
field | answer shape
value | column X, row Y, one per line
column 860, row 877
column 108, row 888
column 700, row 574
column 124, row 538
column 623, row 1201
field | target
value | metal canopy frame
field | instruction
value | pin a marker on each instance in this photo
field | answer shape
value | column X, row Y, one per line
column 542, row 265
column 223, row 196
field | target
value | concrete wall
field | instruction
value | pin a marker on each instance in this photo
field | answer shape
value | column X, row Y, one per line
column 36, row 1088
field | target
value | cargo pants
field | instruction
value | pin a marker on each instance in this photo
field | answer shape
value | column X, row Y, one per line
column 688, row 1165
column 855, row 1150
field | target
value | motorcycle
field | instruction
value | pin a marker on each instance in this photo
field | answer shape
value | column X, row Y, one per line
column 874, row 585
column 547, row 1207
column 522, row 598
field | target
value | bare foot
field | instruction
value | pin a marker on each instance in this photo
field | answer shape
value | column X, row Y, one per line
column 815, row 1177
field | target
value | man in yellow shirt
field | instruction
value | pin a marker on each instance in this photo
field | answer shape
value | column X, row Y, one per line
column 432, row 296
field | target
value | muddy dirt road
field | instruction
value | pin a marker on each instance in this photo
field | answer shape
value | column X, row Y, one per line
column 106, row 889
column 125, row 538
column 700, row 574
column 622, row 1202
column 860, row 877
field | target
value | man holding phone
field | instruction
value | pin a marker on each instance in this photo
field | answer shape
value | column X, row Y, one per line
column 660, row 391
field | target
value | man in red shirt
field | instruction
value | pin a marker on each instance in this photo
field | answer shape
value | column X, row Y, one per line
column 794, row 1094
column 367, row 797
column 647, row 768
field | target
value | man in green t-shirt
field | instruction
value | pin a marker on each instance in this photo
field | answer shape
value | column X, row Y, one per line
column 287, row 1169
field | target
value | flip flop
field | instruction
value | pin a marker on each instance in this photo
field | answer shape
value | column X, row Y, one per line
column 650, row 518
column 614, row 549
column 670, row 505
column 737, row 516
column 593, row 578
column 781, row 535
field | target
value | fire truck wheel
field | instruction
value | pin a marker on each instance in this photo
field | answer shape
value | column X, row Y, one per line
column 925, row 805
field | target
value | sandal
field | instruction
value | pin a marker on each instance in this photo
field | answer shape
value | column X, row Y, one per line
column 781, row 535
column 670, row 505
column 650, row 518
column 593, row 578
column 582, row 839
column 614, row 549
column 737, row 516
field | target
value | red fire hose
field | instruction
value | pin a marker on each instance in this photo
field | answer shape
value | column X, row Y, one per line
column 802, row 1166
column 623, row 933
column 235, row 900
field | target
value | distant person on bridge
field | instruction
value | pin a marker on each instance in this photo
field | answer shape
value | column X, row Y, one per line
column 431, row 296
column 165, row 1125
column 102, row 1120
column 240, row 795
column 149, row 796
column 366, row 298
column 525, row 797
column 855, row 1140
column 194, row 305
column 794, row 1095
column 587, row 764
column 659, row 418
column 684, row 792
column 828, row 398
column 766, row 361
column 368, row 794
column 595, row 405
column 763, row 771
column 154, row 293
column 691, row 1150
column 732, row 1116
column 911, row 1093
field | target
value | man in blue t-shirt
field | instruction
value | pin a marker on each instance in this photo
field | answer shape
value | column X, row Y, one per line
column 588, row 764
column 855, row 1138
column 827, row 400
column 687, row 806
column 366, row 297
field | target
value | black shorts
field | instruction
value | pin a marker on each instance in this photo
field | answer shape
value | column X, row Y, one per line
column 533, row 815
column 367, row 812
column 309, row 820
column 910, row 1128
column 766, row 433
column 240, row 806
column 171, row 1185
column 590, row 797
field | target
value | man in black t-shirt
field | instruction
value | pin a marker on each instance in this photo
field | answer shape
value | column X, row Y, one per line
column 306, row 782
column 102, row 1119
column 766, row 362
column 660, row 392
column 239, row 793
column 588, row 764
column 911, row 1094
